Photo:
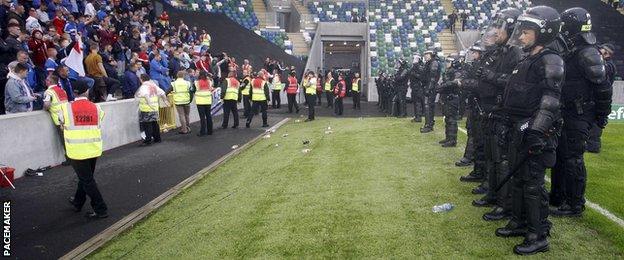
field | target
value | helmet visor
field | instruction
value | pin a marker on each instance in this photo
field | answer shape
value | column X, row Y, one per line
column 495, row 34
column 524, row 36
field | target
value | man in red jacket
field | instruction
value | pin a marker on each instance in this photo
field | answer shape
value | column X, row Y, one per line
column 340, row 91
column 291, row 92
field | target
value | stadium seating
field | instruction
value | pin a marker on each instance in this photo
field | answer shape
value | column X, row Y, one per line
column 277, row 37
column 401, row 29
column 241, row 12
column 336, row 11
column 481, row 11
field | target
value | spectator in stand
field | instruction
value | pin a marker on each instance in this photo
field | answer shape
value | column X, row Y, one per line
column 464, row 17
column 452, row 19
column 19, row 97
column 158, row 72
column 59, row 22
column 94, row 67
column 42, row 14
column 66, row 83
column 50, row 64
column 131, row 81
column 14, row 41
column 32, row 22
column 5, row 6
column 17, row 14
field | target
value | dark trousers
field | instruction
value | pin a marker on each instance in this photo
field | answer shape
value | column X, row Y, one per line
column 318, row 99
column 205, row 118
column 469, row 151
column 419, row 104
column 451, row 116
column 429, row 110
column 356, row 100
column 87, row 186
column 259, row 106
column 292, row 102
column 594, row 144
column 152, row 131
column 229, row 106
column 569, row 175
column 497, row 164
column 479, row 145
column 103, row 87
column 276, row 101
column 311, row 101
column 330, row 98
column 338, row 106
column 246, row 106
column 529, row 198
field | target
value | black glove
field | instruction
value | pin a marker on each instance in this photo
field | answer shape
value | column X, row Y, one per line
column 486, row 74
column 602, row 122
column 534, row 141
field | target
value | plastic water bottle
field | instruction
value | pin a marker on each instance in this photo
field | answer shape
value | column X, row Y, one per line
column 442, row 208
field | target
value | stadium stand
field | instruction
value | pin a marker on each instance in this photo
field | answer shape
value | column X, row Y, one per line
column 400, row 29
column 481, row 11
column 332, row 11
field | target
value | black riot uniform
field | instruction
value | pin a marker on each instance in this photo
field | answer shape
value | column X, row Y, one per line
column 468, row 83
column 449, row 94
column 433, row 70
column 399, row 103
column 586, row 98
column 494, row 78
column 532, row 102
column 594, row 143
column 418, row 93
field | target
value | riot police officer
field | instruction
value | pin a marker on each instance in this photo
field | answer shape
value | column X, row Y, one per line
column 586, row 98
column 415, row 84
column 467, row 85
column 493, row 77
column 399, row 104
column 532, row 102
column 449, row 94
column 433, row 69
column 607, row 51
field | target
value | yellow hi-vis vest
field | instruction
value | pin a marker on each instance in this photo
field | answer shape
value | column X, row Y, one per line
column 148, row 104
column 82, row 123
column 231, row 92
column 355, row 86
column 247, row 88
column 257, row 86
column 203, row 94
column 277, row 83
column 328, row 86
column 58, row 98
column 181, row 94
column 310, row 88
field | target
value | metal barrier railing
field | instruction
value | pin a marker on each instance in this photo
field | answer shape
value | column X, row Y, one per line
column 166, row 117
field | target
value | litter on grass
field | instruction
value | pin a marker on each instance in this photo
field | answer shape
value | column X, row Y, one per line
column 234, row 146
column 284, row 135
column 305, row 150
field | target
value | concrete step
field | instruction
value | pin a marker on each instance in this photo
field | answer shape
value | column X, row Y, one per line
column 300, row 47
column 261, row 11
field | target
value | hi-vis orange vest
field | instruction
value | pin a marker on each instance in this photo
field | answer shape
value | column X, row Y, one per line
column 292, row 85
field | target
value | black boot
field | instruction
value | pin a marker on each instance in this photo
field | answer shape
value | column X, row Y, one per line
column 472, row 177
column 512, row 229
column 567, row 211
column 450, row 143
column 497, row 213
column 417, row 119
column 463, row 162
column 443, row 141
column 532, row 244
column 480, row 189
column 483, row 202
column 426, row 129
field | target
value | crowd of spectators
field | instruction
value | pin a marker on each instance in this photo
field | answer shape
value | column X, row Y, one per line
column 118, row 41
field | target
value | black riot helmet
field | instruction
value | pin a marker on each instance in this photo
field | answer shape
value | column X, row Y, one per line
column 539, row 26
column 501, row 28
column 577, row 26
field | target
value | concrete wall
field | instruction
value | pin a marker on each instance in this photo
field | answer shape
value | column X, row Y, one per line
column 30, row 140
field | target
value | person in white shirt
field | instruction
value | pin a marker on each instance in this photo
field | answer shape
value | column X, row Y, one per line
column 149, row 96
column 32, row 22
column 90, row 9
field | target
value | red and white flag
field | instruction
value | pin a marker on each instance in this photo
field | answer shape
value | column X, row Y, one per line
column 75, row 58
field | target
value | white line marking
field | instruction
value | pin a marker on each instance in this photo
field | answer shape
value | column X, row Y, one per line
column 589, row 204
